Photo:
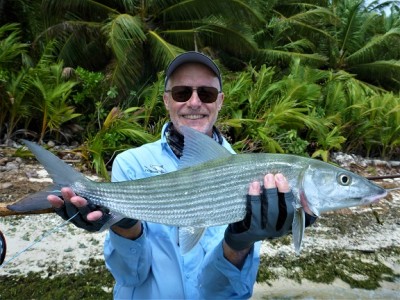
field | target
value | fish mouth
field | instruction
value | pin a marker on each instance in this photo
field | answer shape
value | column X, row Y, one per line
column 374, row 199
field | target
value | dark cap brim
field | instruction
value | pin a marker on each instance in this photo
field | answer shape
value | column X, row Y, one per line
column 192, row 57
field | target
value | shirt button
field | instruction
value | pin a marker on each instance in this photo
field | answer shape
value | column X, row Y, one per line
column 133, row 250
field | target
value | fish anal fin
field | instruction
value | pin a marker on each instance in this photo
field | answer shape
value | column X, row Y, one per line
column 189, row 237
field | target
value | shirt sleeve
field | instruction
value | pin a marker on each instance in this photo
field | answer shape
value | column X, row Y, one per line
column 221, row 279
column 129, row 261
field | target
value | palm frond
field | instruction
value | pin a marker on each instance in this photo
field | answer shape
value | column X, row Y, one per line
column 212, row 31
column 124, row 32
column 228, row 9
column 350, row 33
column 59, row 9
column 309, row 21
column 302, row 46
column 162, row 51
column 274, row 55
column 229, row 38
column 78, row 43
column 373, row 49
column 386, row 73
column 125, row 39
column 10, row 45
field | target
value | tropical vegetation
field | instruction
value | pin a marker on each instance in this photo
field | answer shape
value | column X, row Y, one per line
column 303, row 77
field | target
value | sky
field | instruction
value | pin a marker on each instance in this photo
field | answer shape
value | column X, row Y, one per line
column 387, row 10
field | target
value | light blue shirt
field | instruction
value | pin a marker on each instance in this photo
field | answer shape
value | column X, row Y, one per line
column 152, row 266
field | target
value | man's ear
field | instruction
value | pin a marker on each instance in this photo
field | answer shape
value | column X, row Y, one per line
column 166, row 101
column 221, row 101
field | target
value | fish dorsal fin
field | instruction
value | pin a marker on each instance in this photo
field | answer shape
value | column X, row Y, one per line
column 189, row 237
column 199, row 148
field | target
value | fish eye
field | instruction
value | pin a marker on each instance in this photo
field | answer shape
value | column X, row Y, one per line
column 344, row 179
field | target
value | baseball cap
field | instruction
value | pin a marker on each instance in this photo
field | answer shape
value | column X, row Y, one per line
column 192, row 57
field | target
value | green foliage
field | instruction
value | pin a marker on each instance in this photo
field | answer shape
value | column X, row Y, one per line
column 11, row 49
column 274, row 114
column 93, row 282
column 133, row 42
column 15, row 107
column 327, row 141
column 51, row 97
column 292, row 143
column 359, row 270
column 12, row 81
column 118, row 129
column 90, row 88
column 39, row 89
column 155, row 114
column 364, row 44
column 305, row 78
column 377, row 127
column 91, row 98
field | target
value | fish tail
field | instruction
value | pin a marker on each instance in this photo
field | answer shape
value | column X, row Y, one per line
column 61, row 173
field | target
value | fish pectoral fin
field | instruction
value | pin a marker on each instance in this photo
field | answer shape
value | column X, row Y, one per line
column 189, row 237
column 298, row 227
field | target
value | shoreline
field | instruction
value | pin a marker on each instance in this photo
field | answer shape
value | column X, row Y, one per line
column 369, row 236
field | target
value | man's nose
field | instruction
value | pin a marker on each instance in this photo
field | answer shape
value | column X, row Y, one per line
column 194, row 100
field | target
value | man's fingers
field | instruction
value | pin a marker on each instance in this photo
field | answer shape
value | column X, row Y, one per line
column 78, row 201
column 94, row 216
column 254, row 188
column 67, row 193
column 281, row 183
column 55, row 201
column 269, row 181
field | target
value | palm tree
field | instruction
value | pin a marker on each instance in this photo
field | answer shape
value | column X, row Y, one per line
column 133, row 40
column 13, row 55
column 363, row 41
column 293, row 31
column 346, row 35
column 366, row 43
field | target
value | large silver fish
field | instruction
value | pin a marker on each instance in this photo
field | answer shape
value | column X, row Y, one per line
column 210, row 185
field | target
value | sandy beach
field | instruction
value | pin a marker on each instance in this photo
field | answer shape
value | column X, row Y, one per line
column 370, row 235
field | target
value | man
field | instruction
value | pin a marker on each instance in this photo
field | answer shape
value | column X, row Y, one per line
column 144, row 257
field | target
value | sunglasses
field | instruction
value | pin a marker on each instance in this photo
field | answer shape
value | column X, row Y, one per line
column 183, row 93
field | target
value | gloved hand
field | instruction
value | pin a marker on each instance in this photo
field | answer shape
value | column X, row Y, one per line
column 269, row 214
column 65, row 208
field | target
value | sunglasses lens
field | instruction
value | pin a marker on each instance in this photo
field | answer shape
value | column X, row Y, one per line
column 181, row 93
column 207, row 94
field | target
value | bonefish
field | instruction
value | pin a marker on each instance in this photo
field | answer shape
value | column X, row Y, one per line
column 210, row 186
